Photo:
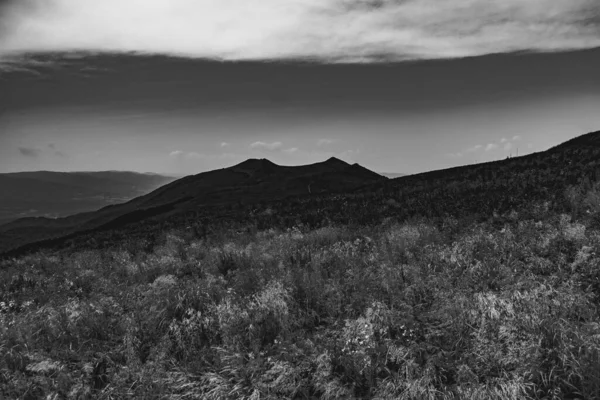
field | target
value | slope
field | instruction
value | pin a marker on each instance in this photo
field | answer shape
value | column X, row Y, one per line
column 248, row 182
column 553, row 180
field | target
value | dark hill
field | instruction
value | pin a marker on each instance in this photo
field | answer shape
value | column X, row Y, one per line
column 256, row 165
column 589, row 140
column 249, row 182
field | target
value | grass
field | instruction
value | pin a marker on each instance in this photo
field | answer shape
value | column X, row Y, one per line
column 400, row 310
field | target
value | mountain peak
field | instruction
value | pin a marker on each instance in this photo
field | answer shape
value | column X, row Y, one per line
column 335, row 161
column 256, row 163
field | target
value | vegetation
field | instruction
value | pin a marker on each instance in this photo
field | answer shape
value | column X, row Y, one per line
column 399, row 310
column 371, row 294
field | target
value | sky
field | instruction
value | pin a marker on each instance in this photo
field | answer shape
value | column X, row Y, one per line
column 185, row 86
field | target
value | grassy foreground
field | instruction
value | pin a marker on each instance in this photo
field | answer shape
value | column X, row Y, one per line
column 400, row 310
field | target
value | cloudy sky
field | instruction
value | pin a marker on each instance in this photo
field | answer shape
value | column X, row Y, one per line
column 182, row 86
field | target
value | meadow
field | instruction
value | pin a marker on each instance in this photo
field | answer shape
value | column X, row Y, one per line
column 502, row 307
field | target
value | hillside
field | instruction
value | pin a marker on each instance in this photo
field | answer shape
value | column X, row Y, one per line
column 248, row 182
column 251, row 194
column 477, row 282
column 58, row 194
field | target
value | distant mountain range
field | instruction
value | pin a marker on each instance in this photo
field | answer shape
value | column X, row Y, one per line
column 58, row 194
column 251, row 181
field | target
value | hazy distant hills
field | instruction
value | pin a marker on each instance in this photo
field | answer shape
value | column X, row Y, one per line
column 251, row 181
column 57, row 194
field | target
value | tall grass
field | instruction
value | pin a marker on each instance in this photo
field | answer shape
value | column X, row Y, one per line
column 457, row 310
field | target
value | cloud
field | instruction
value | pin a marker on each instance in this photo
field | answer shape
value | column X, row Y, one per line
column 508, row 146
column 224, row 144
column 193, row 155
column 291, row 150
column 324, row 142
column 475, row 148
column 29, row 152
column 322, row 30
column 491, row 146
column 454, row 155
column 266, row 146
column 516, row 138
column 212, row 157
column 56, row 151
column 503, row 140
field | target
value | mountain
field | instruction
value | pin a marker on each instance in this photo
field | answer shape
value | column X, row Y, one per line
column 501, row 258
column 529, row 182
column 252, row 181
column 554, row 178
column 58, row 194
column 260, row 194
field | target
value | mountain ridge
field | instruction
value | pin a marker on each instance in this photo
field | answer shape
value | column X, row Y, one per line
column 469, row 191
column 250, row 181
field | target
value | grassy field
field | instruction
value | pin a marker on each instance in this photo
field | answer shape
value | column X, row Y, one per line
column 410, row 309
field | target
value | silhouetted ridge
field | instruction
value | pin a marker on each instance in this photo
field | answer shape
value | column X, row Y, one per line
column 255, row 163
column 589, row 139
column 249, row 182
column 336, row 162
